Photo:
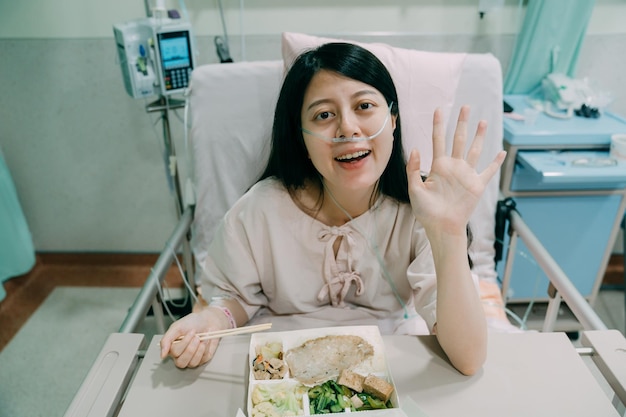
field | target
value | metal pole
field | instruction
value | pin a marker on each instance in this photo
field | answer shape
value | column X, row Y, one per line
column 508, row 266
column 572, row 297
column 172, row 161
column 163, row 105
column 552, row 313
column 142, row 302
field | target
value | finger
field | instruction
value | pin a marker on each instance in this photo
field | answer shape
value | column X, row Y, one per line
column 211, row 348
column 460, row 133
column 413, row 167
column 182, row 359
column 179, row 348
column 439, row 135
column 493, row 167
column 477, row 144
column 165, row 347
column 197, row 357
column 168, row 339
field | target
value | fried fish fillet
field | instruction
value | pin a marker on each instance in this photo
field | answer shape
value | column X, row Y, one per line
column 318, row 360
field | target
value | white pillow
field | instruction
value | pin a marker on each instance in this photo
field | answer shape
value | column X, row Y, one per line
column 424, row 81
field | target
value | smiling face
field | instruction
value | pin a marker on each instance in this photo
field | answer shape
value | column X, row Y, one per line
column 335, row 106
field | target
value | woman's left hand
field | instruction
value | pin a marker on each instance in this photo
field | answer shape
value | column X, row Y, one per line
column 444, row 202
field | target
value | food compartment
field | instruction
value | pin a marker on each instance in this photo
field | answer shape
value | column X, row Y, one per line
column 276, row 398
column 267, row 358
column 329, row 370
column 373, row 392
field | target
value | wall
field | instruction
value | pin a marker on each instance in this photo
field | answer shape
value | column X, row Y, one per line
column 82, row 19
column 87, row 159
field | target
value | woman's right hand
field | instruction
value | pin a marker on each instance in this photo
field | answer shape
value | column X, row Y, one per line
column 190, row 351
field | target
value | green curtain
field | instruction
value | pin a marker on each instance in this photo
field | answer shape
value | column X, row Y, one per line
column 17, row 254
column 549, row 41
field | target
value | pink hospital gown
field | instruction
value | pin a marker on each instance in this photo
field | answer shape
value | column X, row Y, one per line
column 279, row 263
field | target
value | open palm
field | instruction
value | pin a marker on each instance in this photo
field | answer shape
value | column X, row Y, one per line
column 446, row 199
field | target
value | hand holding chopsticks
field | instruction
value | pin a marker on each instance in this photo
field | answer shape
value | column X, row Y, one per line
column 230, row 332
column 189, row 347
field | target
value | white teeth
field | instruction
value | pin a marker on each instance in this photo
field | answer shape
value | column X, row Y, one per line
column 352, row 155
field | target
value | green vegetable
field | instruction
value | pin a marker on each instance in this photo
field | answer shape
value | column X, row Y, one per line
column 376, row 403
column 331, row 397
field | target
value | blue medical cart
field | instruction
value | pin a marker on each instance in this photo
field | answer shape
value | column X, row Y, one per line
column 569, row 191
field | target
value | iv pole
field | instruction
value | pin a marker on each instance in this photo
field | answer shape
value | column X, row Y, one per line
column 163, row 105
column 149, row 293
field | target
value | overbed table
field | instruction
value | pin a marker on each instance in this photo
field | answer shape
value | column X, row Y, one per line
column 526, row 374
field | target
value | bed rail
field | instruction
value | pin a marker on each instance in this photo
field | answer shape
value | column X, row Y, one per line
column 565, row 289
column 148, row 292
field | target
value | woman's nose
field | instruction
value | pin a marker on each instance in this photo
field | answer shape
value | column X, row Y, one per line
column 348, row 126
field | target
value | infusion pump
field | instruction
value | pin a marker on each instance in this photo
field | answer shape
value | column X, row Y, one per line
column 155, row 54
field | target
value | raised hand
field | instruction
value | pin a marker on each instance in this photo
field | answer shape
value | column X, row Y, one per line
column 444, row 202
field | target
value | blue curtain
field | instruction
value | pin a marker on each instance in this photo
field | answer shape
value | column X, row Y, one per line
column 549, row 41
column 17, row 254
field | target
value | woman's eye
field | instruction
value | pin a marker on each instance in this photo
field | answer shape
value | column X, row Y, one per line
column 324, row 115
column 365, row 106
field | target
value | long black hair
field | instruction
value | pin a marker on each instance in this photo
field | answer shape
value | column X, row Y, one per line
column 288, row 161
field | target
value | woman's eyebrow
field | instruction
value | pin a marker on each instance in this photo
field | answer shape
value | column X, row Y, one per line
column 318, row 102
column 358, row 94
column 364, row 93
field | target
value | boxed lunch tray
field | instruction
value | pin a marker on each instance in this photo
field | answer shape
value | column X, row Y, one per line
column 334, row 370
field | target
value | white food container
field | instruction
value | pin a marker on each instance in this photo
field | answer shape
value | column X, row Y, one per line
column 377, row 364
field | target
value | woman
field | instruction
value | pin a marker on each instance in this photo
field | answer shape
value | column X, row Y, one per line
column 339, row 230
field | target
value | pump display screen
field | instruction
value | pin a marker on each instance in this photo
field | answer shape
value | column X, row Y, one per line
column 176, row 63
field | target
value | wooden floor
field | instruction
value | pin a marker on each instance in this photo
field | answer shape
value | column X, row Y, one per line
column 614, row 274
column 26, row 293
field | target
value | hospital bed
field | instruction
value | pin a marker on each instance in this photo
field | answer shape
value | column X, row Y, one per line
column 230, row 115
column 230, row 108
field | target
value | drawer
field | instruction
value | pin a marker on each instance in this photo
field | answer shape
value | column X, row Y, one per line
column 567, row 170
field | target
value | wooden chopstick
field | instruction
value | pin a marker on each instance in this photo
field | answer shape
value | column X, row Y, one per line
column 230, row 332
